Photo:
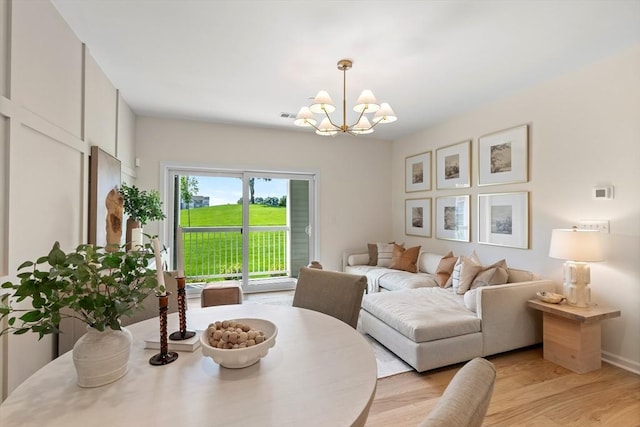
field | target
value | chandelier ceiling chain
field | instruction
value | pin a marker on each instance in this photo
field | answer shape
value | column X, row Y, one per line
column 366, row 103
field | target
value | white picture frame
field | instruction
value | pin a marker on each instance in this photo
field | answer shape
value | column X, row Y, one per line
column 503, row 156
column 418, row 172
column 453, row 218
column 418, row 217
column 503, row 219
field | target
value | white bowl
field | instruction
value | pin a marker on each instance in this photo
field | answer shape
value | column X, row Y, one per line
column 242, row 357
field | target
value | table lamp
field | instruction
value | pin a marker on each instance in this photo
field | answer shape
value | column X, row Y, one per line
column 577, row 247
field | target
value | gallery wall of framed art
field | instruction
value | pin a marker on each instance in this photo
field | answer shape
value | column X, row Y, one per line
column 501, row 159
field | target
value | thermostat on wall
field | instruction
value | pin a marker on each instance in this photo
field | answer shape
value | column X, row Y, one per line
column 602, row 192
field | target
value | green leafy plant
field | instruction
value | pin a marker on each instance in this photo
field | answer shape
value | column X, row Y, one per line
column 89, row 284
column 142, row 205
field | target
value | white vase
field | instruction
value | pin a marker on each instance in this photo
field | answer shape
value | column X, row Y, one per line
column 101, row 357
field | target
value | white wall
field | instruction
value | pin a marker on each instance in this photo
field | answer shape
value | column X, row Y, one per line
column 585, row 131
column 55, row 102
column 354, row 177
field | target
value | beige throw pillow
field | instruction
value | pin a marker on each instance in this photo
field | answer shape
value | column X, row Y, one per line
column 405, row 259
column 445, row 268
column 373, row 253
column 494, row 274
column 385, row 254
column 464, row 272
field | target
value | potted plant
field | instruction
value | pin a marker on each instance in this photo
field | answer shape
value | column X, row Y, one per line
column 89, row 284
column 142, row 206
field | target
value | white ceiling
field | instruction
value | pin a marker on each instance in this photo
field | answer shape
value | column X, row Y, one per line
column 245, row 62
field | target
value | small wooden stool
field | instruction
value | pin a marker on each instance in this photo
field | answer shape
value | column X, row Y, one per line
column 221, row 294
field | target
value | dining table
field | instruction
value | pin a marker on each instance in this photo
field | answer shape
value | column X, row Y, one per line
column 321, row 372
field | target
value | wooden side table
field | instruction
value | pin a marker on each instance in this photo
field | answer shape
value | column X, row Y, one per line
column 572, row 335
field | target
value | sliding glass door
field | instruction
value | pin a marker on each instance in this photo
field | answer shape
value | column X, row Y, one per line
column 253, row 228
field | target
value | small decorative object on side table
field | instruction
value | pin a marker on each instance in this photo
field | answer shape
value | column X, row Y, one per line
column 572, row 335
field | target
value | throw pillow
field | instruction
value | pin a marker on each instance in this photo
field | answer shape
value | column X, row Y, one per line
column 373, row 253
column 385, row 254
column 405, row 259
column 463, row 274
column 494, row 274
column 445, row 268
column 473, row 257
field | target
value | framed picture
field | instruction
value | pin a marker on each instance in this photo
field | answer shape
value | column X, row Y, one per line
column 452, row 218
column 453, row 166
column 417, row 172
column 503, row 156
column 503, row 219
column 417, row 214
column 104, row 175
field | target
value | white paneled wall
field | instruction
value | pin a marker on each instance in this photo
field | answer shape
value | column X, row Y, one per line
column 101, row 103
column 56, row 103
column 46, row 65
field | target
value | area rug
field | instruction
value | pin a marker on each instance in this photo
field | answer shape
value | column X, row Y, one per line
column 388, row 363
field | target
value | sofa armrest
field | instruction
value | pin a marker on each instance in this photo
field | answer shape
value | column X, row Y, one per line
column 347, row 253
column 507, row 322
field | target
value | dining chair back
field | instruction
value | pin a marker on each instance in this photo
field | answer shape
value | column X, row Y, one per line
column 466, row 399
column 330, row 292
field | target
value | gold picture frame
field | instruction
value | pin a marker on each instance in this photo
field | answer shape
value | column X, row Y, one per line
column 453, row 166
column 453, row 218
column 503, row 156
column 417, row 172
column 417, row 214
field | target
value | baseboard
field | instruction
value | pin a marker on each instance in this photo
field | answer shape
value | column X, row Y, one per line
column 621, row 362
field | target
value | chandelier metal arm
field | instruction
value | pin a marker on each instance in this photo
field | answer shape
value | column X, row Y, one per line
column 331, row 121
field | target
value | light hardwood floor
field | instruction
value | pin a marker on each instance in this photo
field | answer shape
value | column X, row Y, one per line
column 529, row 391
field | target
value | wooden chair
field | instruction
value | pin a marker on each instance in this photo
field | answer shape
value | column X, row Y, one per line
column 221, row 294
column 334, row 293
column 465, row 401
column 150, row 303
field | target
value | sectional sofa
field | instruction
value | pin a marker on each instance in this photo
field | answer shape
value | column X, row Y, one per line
column 429, row 325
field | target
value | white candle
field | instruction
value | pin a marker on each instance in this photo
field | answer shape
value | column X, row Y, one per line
column 179, row 253
column 160, row 274
column 136, row 238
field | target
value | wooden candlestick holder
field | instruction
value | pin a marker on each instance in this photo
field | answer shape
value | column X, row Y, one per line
column 165, row 356
column 182, row 334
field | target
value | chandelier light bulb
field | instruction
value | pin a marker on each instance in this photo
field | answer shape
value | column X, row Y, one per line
column 322, row 103
column 363, row 126
column 305, row 118
column 385, row 114
column 366, row 102
column 326, row 128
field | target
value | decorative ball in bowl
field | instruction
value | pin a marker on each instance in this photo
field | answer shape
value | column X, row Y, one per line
column 238, row 343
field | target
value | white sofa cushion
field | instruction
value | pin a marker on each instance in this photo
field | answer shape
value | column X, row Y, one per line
column 428, row 263
column 423, row 314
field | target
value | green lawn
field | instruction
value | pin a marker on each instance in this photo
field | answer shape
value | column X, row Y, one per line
column 231, row 215
column 221, row 253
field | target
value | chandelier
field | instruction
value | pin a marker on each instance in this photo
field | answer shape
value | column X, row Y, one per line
column 366, row 103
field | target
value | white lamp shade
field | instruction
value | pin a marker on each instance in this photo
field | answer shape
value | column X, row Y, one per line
column 326, row 128
column 576, row 245
column 362, row 127
column 366, row 102
column 322, row 103
column 305, row 118
column 385, row 114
